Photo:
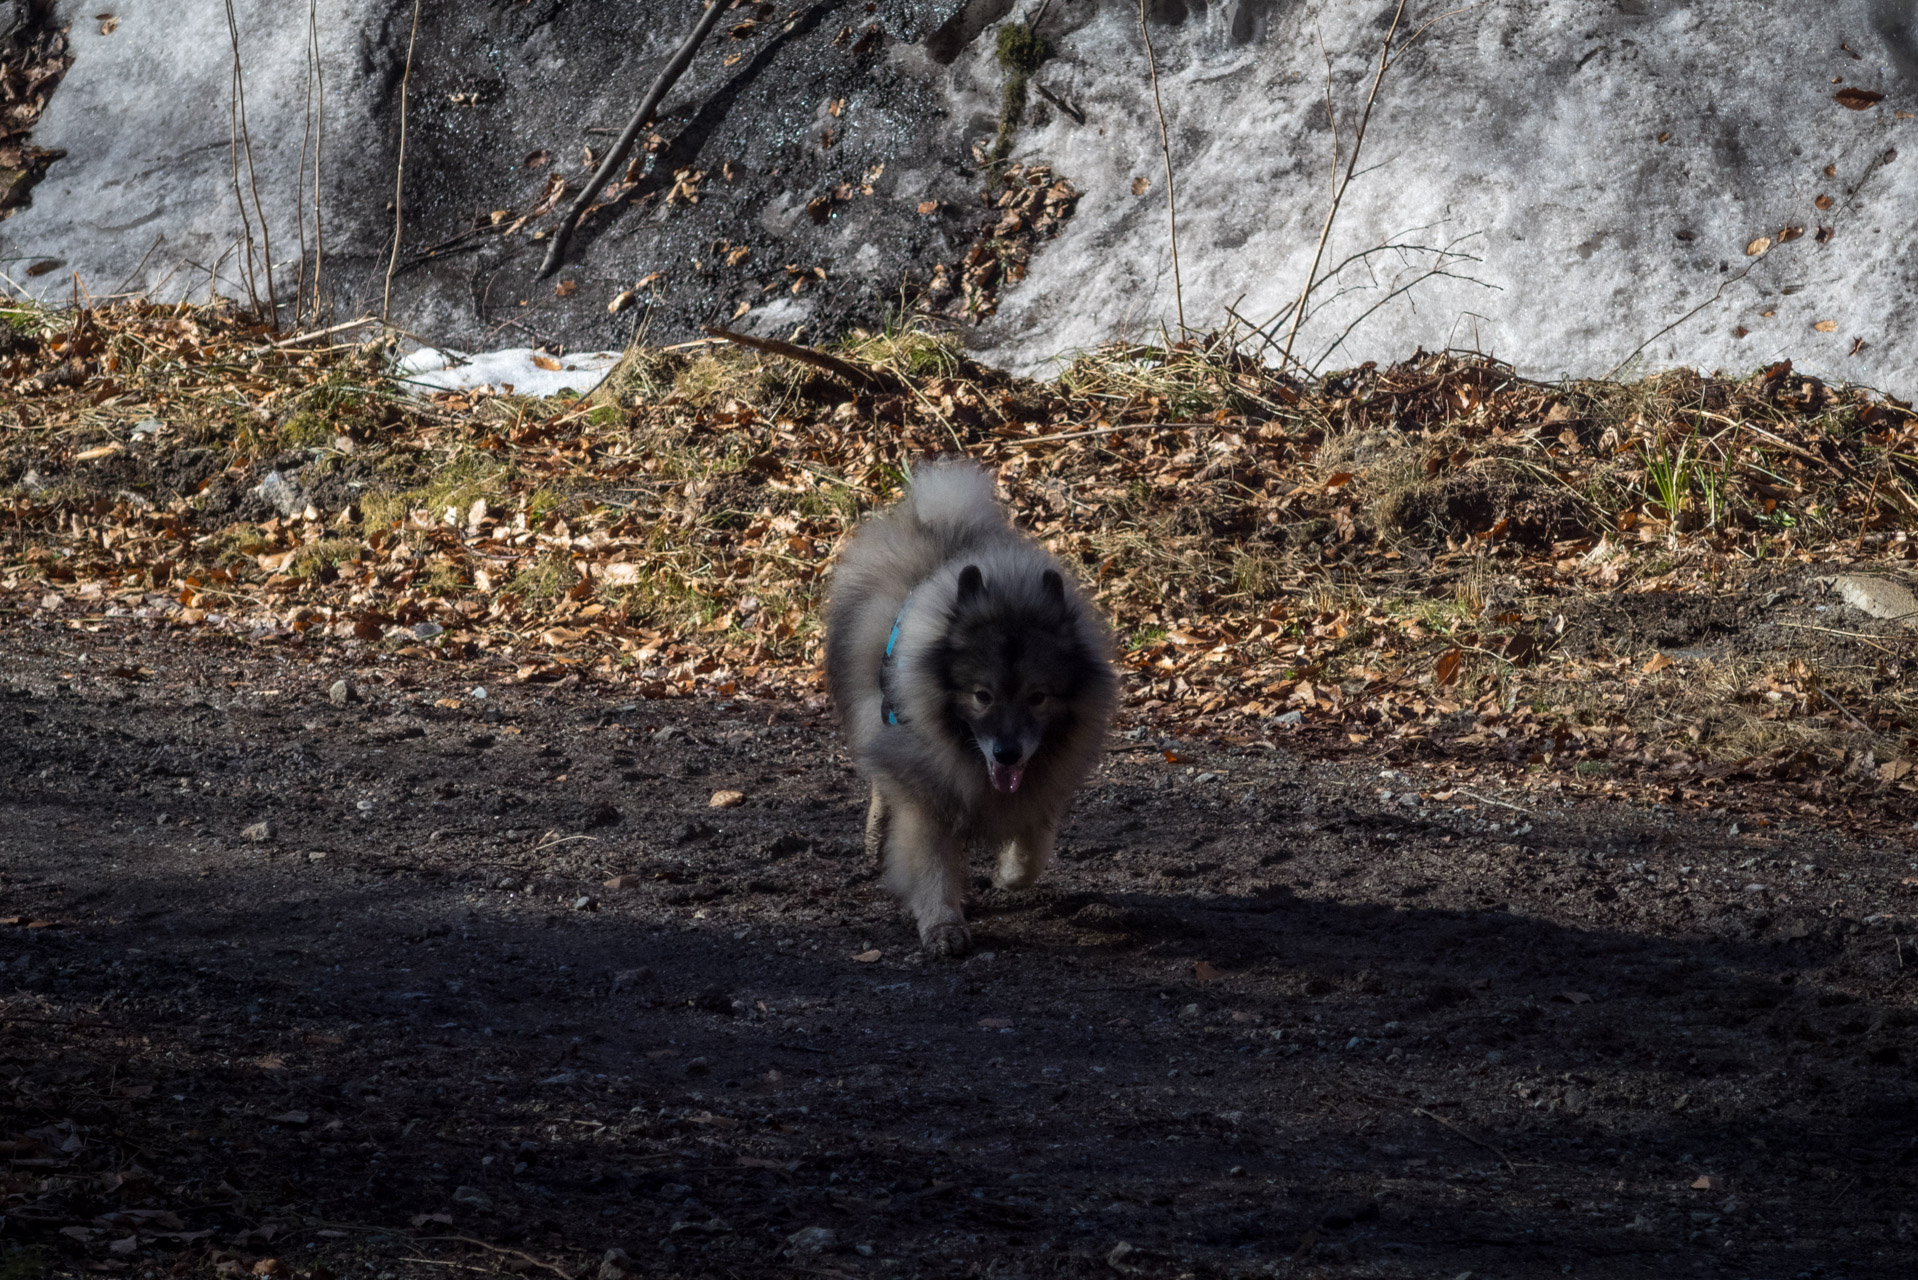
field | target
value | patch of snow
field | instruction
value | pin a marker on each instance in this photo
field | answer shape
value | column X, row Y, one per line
column 1611, row 179
column 513, row 371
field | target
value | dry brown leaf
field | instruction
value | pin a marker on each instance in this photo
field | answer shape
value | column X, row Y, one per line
column 1858, row 99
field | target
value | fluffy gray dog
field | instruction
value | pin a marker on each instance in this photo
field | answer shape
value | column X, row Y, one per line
column 975, row 683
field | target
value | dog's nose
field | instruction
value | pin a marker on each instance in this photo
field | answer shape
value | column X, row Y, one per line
column 1005, row 755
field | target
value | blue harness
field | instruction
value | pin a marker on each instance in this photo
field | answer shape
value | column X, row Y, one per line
column 887, row 710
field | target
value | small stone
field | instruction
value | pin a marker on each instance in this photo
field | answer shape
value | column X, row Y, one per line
column 585, row 903
column 472, row 1196
column 316, row 856
column 282, row 494
column 626, row 979
column 809, row 1242
column 699, row 1067
column 623, row 881
column 726, row 800
column 260, row 832
column 426, row 630
column 613, row 1265
column 341, row 693
column 1117, row 1257
column 1877, row 597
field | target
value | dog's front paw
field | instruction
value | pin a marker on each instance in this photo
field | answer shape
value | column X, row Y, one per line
column 946, row 940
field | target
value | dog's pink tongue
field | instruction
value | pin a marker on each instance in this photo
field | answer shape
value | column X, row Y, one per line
column 1006, row 777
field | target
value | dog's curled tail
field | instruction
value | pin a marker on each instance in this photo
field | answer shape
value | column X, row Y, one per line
column 952, row 496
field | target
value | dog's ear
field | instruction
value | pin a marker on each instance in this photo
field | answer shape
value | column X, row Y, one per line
column 971, row 583
column 1054, row 586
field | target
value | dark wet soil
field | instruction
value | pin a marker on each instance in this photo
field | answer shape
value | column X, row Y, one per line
column 1270, row 1014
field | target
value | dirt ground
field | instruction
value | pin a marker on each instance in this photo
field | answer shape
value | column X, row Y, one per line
column 1287, row 1010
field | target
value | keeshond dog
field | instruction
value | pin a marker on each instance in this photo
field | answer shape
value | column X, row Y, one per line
column 975, row 683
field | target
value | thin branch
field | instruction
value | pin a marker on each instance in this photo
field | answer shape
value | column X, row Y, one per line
column 1477, row 1142
column 1165, row 147
column 1338, row 196
column 319, row 150
column 515, row 1253
column 1723, row 285
column 1404, row 288
column 668, row 77
column 299, row 178
column 252, row 174
column 844, row 370
column 233, row 155
column 399, row 171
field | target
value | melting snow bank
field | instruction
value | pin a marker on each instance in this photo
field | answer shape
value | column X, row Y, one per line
column 521, row 371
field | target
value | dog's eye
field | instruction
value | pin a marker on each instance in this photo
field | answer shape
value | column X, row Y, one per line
column 982, row 696
column 1036, row 698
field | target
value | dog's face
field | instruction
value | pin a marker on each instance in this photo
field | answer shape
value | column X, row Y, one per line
column 1012, row 665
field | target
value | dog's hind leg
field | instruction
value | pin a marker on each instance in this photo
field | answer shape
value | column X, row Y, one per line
column 878, row 818
column 1024, row 858
column 926, row 868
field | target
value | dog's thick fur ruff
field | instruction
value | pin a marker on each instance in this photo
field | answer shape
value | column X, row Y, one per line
column 962, row 598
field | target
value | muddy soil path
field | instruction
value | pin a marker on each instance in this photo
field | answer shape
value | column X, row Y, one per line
column 1266, row 1017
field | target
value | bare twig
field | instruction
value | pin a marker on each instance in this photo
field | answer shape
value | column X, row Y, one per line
column 1437, row 272
column 1844, row 710
column 319, row 150
column 1503, row 804
column 300, row 338
column 299, row 177
column 399, row 171
column 236, row 123
column 842, row 369
column 514, row 1253
column 1477, row 1142
column 1338, row 196
column 1165, row 148
column 1718, row 293
column 668, row 77
column 1029, row 441
column 1078, row 116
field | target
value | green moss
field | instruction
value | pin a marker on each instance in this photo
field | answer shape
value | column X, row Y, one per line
column 1022, row 51
column 326, row 553
column 24, row 1264
column 545, row 579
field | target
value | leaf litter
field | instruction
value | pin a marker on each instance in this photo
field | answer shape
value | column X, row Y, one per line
column 1435, row 560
